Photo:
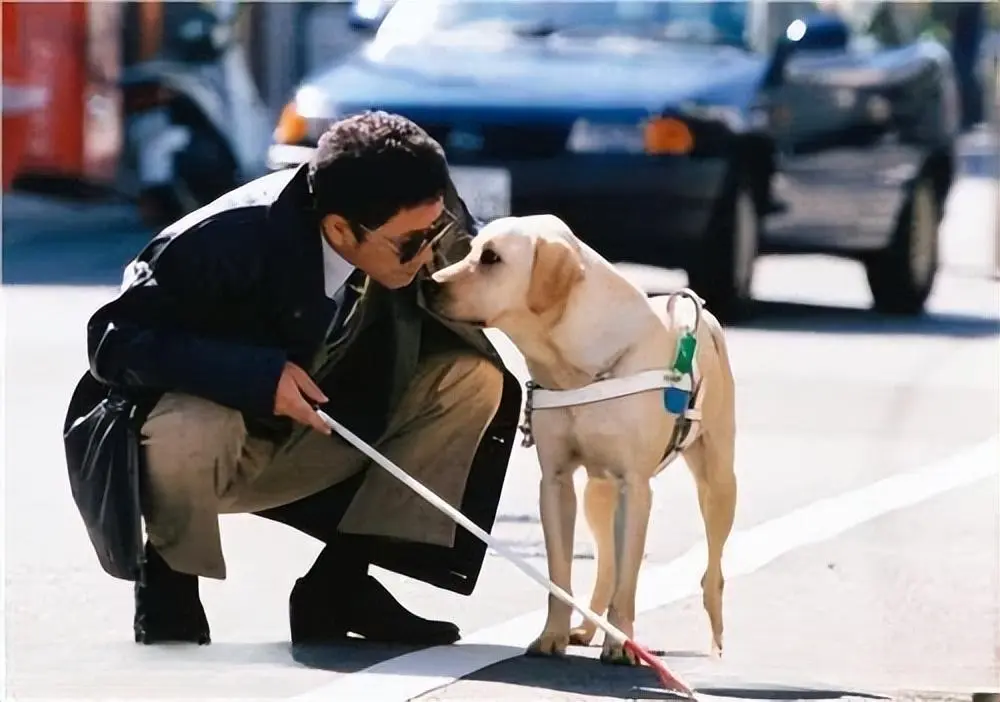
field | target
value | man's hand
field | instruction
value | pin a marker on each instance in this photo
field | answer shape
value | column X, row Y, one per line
column 292, row 398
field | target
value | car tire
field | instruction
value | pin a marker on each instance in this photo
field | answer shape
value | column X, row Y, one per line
column 902, row 275
column 723, row 267
column 206, row 169
column 158, row 205
column 203, row 171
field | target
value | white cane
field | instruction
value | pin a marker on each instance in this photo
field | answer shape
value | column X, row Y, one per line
column 668, row 679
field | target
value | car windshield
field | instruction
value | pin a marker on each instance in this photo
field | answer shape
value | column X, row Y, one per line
column 702, row 21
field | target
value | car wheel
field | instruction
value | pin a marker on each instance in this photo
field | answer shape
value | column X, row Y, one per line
column 205, row 170
column 901, row 275
column 722, row 272
column 158, row 206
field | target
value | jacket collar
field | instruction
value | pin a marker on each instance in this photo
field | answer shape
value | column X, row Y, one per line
column 297, row 229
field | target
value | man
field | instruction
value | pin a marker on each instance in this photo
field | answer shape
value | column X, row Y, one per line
column 968, row 20
column 303, row 288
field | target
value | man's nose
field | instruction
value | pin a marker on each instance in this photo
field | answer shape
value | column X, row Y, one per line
column 425, row 256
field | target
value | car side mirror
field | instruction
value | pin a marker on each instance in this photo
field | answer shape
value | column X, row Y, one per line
column 819, row 32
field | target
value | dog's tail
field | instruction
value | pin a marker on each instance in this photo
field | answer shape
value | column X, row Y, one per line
column 714, row 327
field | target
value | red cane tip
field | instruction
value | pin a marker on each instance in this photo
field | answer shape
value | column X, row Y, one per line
column 669, row 680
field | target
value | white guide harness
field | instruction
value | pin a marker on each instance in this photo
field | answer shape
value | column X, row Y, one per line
column 688, row 420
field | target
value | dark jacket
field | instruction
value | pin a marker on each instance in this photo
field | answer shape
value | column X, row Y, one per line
column 216, row 304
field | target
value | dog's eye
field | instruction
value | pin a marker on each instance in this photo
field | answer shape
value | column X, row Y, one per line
column 489, row 257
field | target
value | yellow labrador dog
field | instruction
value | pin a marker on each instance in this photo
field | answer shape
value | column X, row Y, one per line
column 582, row 327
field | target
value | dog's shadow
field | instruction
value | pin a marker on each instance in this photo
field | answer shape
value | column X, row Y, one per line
column 578, row 673
column 348, row 657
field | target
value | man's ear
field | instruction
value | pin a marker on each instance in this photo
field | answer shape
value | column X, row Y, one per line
column 556, row 269
column 338, row 231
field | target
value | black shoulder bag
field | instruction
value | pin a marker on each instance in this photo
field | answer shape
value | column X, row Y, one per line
column 103, row 455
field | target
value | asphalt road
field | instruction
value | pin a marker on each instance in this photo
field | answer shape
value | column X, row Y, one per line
column 890, row 585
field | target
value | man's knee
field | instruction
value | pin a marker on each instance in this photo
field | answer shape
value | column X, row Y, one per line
column 472, row 383
column 192, row 444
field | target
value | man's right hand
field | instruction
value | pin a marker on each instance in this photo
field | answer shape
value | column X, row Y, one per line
column 292, row 398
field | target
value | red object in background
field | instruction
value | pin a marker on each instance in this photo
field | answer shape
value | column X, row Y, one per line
column 18, row 97
column 52, row 37
column 103, row 118
column 67, row 54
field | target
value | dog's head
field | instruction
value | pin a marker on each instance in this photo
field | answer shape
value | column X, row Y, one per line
column 518, row 267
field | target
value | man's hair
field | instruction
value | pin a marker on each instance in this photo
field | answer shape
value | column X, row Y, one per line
column 369, row 166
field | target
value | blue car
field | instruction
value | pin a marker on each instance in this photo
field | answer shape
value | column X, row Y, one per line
column 694, row 135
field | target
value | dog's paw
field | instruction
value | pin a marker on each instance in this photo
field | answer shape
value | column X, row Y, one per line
column 616, row 654
column 549, row 644
column 582, row 635
column 716, row 649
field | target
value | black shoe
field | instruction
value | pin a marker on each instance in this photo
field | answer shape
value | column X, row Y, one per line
column 167, row 606
column 326, row 605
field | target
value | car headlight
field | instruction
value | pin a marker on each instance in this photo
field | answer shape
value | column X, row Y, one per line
column 654, row 136
column 292, row 127
column 306, row 117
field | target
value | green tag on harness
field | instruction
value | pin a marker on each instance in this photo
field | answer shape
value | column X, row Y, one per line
column 684, row 361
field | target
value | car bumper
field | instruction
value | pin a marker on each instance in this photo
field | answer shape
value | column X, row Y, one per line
column 629, row 206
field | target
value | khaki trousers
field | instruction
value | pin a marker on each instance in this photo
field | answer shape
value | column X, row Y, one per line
column 200, row 463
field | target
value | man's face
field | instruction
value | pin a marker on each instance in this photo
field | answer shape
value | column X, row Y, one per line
column 393, row 253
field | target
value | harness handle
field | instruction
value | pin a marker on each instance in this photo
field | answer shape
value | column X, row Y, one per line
column 680, row 376
column 695, row 300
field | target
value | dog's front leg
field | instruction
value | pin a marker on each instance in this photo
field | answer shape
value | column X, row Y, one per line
column 600, row 500
column 631, row 523
column 557, row 504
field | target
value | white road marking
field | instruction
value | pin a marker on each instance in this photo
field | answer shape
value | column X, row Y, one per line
column 408, row 676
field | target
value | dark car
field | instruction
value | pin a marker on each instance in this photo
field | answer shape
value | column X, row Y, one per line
column 682, row 134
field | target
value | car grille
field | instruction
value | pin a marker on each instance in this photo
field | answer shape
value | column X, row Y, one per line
column 495, row 141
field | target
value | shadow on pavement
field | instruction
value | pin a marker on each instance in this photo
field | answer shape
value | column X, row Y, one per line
column 348, row 658
column 575, row 675
column 825, row 319
column 588, row 676
column 95, row 249
column 99, row 261
column 87, row 258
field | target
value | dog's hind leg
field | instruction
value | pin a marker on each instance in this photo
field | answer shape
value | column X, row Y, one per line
column 600, row 498
column 711, row 462
column 558, row 512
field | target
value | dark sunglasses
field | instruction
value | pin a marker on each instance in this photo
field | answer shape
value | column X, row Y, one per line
column 412, row 244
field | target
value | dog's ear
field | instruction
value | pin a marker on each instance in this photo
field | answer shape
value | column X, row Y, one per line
column 556, row 269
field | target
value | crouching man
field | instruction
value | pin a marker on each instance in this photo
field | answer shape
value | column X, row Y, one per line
column 300, row 288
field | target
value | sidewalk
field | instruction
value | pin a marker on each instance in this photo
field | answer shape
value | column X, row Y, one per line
column 28, row 216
